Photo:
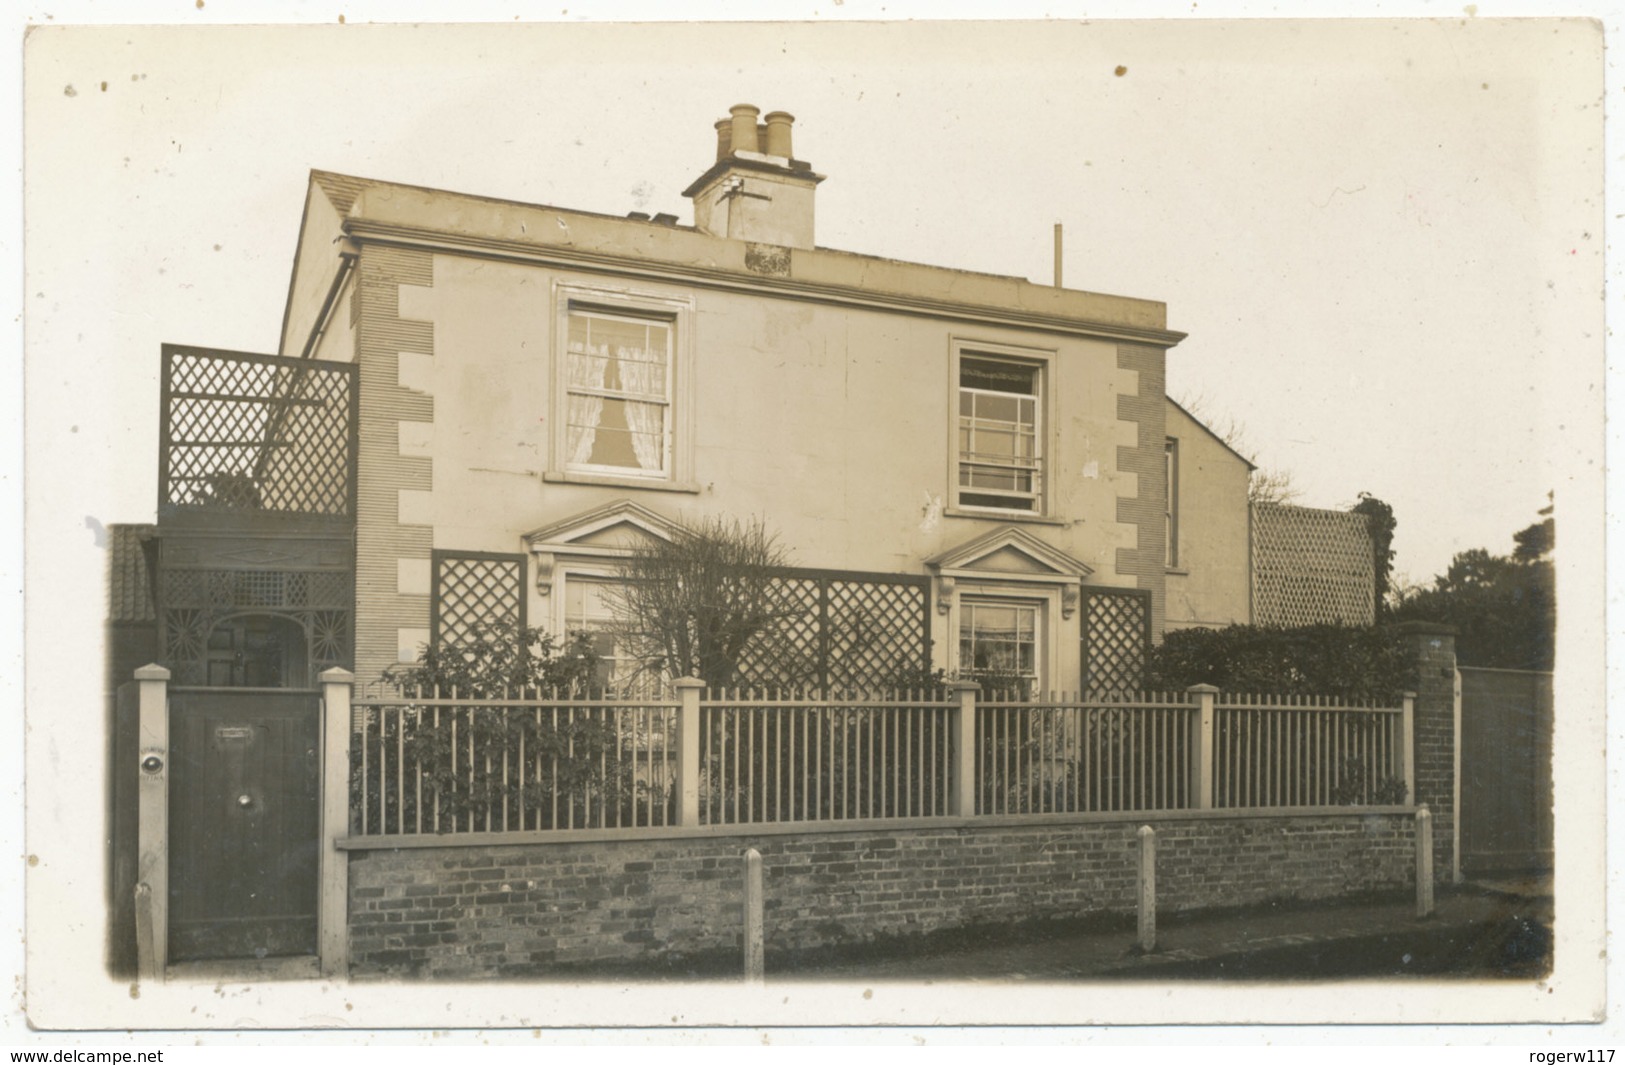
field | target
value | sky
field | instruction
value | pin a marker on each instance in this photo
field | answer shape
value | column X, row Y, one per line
column 1384, row 239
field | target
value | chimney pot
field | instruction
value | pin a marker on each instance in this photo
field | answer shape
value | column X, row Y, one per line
column 744, row 127
column 725, row 128
column 778, row 133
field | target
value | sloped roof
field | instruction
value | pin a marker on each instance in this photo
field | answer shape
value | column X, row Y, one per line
column 341, row 189
column 1204, row 427
column 129, row 586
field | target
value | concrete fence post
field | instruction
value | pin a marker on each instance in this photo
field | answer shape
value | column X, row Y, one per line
column 754, row 961
column 332, row 864
column 1148, row 888
column 1202, row 768
column 962, row 764
column 1407, row 746
column 1424, row 862
column 152, row 831
column 688, row 750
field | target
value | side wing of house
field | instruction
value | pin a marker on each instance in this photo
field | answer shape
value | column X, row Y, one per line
column 1209, row 581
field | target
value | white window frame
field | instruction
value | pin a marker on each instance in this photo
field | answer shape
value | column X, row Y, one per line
column 1041, row 362
column 676, row 313
column 1170, row 465
column 1046, row 600
column 598, row 574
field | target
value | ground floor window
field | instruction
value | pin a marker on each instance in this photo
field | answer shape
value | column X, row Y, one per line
column 589, row 610
column 999, row 641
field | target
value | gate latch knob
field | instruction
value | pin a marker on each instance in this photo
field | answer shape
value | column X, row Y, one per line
column 244, row 800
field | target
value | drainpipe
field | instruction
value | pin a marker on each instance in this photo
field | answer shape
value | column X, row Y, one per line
column 348, row 253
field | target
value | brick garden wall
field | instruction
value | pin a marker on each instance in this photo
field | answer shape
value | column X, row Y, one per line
column 522, row 909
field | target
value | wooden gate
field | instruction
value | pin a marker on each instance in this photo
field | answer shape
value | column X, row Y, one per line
column 1505, row 742
column 243, row 822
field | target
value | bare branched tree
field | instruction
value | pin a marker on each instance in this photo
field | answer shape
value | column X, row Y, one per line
column 1272, row 485
column 691, row 607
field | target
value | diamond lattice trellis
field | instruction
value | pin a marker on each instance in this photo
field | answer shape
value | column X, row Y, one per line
column 791, row 652
column 1116, row 631
column 1312, row 567
column 840, row 630
column 475, row 589
column 256, row 432
column 877, row 632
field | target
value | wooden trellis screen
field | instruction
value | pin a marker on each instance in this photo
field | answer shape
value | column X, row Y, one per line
column 1116, row 635
column 831, row 629
column 1312, row 567
column 261, row 433
column 474, row 588
column 837, row 630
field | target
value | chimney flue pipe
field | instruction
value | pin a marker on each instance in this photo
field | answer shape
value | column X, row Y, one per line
column 744, row 127
column 778, row 133
column 725, row 129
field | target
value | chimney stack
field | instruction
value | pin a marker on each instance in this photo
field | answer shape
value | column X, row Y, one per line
column 756, row 191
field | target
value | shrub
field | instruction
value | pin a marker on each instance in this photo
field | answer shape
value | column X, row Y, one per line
column 480, row 775
column 1337, row 660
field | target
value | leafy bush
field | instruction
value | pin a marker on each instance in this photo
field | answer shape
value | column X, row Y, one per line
column 1357, row 787
column 1337, row 660
column 462, row 762
column 499, row 657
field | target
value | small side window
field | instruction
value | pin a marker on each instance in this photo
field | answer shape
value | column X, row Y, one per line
column 1171, row 500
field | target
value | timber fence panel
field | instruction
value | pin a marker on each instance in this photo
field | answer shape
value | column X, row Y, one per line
column 1069, row 754
column 771, row 757
column 442, row 761
column 1273, row 751
column 433, row 761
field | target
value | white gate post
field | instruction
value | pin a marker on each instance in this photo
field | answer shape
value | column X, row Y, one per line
column 962, row 762
column 152, row 833
column 688, row 750
column 1424, row 862
column 1202, row 775
column 754, row 965
column 1148, row 888
column 332, row 864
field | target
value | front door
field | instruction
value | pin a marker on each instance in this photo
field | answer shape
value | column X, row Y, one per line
column 243, row 823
